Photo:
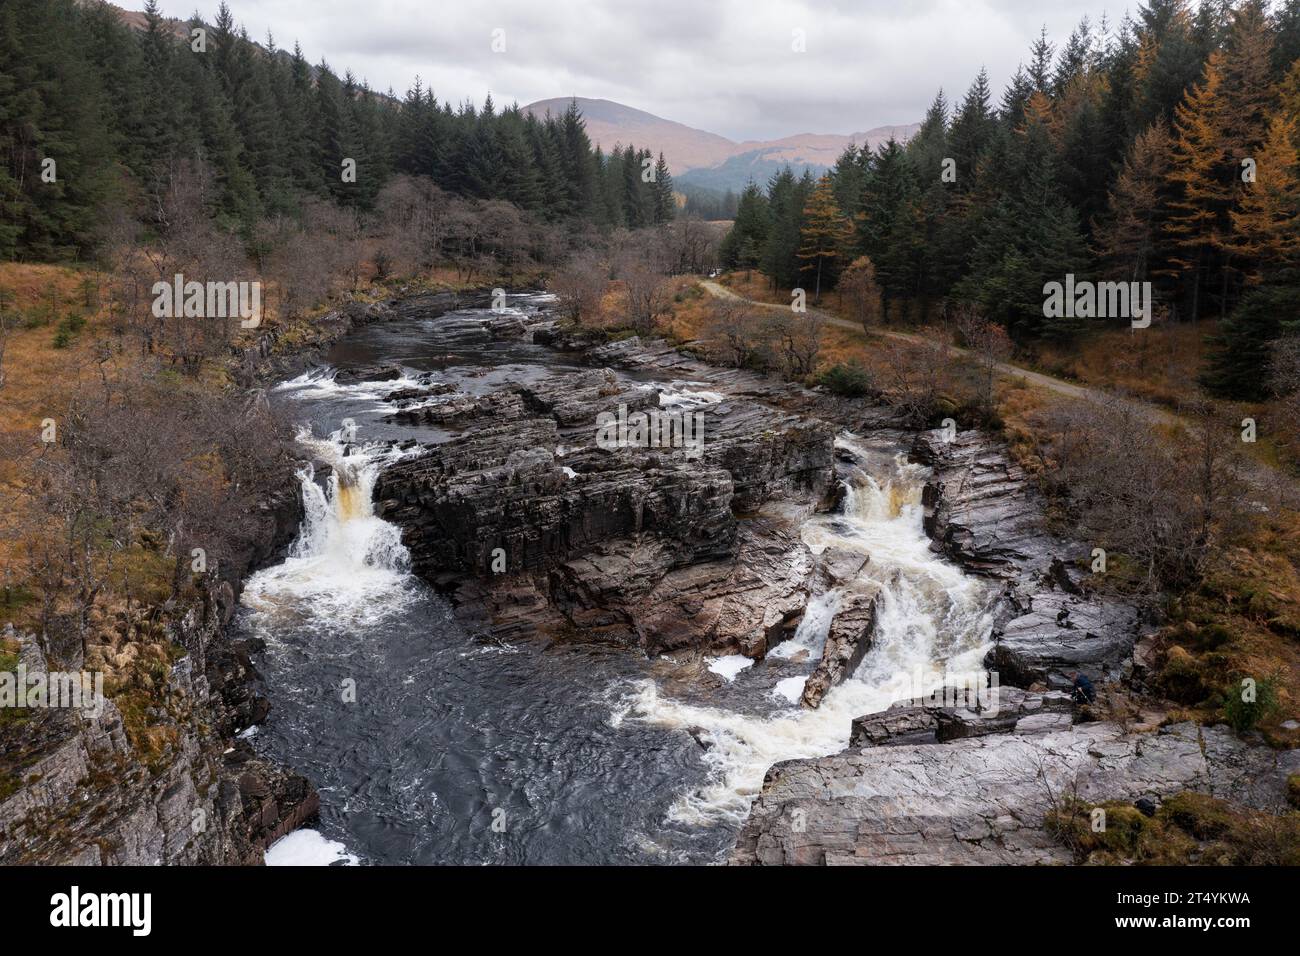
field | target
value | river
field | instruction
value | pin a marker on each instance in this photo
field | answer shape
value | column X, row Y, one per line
column 433, row 745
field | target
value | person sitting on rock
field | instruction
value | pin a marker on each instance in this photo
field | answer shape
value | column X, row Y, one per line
column 1082, row 691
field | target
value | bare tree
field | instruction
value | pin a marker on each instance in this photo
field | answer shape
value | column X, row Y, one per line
column 188, row 243
column 645, row 287
column 795, row 340
column 1164, row 501
column 914, row 376
column 858, row 289
column 412, row 221
column 504, row 236
column 464, row 239
column 298, row 261
column 989, row 343
column 691, row 244
column 738, row 334
column 580, row 285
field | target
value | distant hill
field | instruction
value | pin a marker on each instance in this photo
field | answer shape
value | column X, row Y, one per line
column 706, row 160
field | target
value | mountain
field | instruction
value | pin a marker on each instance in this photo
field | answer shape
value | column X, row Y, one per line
column 707, row 160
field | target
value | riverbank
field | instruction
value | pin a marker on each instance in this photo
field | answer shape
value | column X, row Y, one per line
column 164, row 773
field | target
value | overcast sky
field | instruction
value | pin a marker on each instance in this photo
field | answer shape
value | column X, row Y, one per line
column 721, row 65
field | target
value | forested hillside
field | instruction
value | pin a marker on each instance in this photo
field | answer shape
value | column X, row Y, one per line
column 126, row 114
column 1161, row 149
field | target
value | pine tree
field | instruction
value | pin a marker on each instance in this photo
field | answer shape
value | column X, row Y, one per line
column 1286, row 32
column 972, row 129
column 636, row 212
column 1238, row 352
column 55, row 110
column 576, row 159
column 1040, row 62
column 1015, row 98
column 742, row 245
column 1169, row 60
column 886, row 216
column 520, row 180
column 1266, row 227
column 1077, row 59
column 482, row 160
column 824, row 234
column 1025, row 235
column 665, row 206
column 1137, row 204
column 1085, row 166
column 929, row 147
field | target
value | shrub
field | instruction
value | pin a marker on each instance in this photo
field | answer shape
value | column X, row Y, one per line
column 68, row 328
column 852, row 380
column 1243, row 715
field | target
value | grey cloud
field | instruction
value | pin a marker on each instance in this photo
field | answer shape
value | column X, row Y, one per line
column 724, row 66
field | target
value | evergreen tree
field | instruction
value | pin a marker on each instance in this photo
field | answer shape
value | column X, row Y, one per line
column 787, row 197
column 886, row 216
column 1027, row 235
column 1128, row 234
column 971, row 131
column 743, row 244
column 1169, row 60
column 665, row 206
column 824, row 235
column 1040, row 63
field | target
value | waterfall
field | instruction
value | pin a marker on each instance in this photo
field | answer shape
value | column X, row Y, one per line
column 347, row 564
column 933, row 623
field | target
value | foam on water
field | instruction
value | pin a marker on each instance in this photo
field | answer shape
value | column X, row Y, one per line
column 348, row 565
column 307, row 848
column 683, row 395
column 318, row 383
column 731, row 665
column 933, row 622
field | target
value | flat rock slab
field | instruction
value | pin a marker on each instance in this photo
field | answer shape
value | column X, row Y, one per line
column 983, row 800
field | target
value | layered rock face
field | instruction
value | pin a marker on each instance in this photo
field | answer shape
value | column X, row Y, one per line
column 852, row 627
column 983, row 514
column 539, row 524
column 931, row 782
column 83, row 795
column 74, row 789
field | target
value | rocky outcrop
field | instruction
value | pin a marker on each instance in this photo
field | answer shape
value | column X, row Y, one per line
column 955, row 713
column 79, row 789
column 76, row 790
column 538, row 523
column 852, row 625
column 985, row 515
column 983, row 800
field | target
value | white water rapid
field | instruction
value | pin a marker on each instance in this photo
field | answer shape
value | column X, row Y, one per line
column 933, row 625
column 347, row 566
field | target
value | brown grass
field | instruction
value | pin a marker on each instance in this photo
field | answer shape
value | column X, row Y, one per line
column 1159, row 364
